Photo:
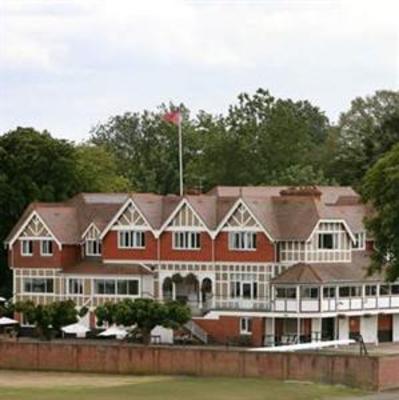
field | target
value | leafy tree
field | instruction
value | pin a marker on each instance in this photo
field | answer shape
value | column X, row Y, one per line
column 259, row 139
column 50, row 317
column 381, row 189
column 37, row 167
column 34, row 167
column 365, row 132
column 96, row 170
column 146, row 148
column 145, row 314
column 298, row 175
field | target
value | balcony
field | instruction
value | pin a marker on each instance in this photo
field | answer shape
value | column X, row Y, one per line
column 312, row 299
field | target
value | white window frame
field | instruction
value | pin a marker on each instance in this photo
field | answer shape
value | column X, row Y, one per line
column 360, row 243
column 246, row 240
column 46, row 292
column 246, row 326
column 335, row 245
column 133, row 241
column 80, row 283
column 90, row 245
column 186, row 240
column 43, row 250
column 116, row 284
column 23, row 243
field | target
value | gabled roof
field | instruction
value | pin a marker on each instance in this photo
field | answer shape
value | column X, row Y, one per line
column 97, row 267
column 325, row 273
column 292, row 216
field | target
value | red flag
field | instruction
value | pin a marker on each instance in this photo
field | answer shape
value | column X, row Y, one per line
column 173, row 117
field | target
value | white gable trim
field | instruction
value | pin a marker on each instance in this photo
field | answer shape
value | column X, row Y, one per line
column 26, row 223
column 92, row 224
column 183, row 202
column 127, row 203
column 335, row 221
column 238, row 203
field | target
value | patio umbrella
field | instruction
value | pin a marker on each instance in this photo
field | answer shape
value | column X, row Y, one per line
column 76, row 329
column 7, row 321
column 119, row 333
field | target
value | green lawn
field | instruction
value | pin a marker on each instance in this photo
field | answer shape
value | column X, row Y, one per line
column 97, row 387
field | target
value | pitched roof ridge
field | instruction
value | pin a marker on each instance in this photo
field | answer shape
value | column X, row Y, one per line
column 315, row 273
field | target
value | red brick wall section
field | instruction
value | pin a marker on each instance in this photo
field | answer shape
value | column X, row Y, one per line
column 68, row 255
column 370, row 373
column 36, row 260
column 227, row 329
column 263, row 252
column 168, row 253
column 110, row 249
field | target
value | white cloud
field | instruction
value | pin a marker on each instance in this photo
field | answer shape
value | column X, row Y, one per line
column 106, row 55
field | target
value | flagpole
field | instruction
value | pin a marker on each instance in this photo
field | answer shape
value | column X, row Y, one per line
column 180, row 156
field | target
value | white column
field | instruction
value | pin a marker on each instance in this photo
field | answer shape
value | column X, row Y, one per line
column 395, row 327
column 343, row 328
column 199, row 293
column 369, row 328
column 298, row 329
column 269, row 330
column 173, row 291
column 316, row 329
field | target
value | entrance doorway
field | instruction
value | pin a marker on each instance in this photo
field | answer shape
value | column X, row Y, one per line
column 327, row 329
column 385, row 328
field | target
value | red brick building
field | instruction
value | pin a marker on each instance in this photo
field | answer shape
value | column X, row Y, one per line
column 259, row 264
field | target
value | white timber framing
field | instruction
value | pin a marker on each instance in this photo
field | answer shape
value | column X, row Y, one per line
column 332, row 221
column 34, row 214
column 202, row 227
column 129, row 203
column 91, row 232
column 241, row 203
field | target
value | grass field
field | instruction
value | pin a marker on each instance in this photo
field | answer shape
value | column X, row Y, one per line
column 62, row 386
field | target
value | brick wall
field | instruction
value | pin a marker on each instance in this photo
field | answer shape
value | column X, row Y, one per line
column 370, row 373
column 68, row 255
column 264, row 251
column 227, row 329
column 168, row 253
column 110, row 249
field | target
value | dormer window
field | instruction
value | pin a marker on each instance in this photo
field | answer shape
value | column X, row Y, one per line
column 327, row 241
column 92, row 241
column 242, row 241
column 27, row 248
column 93, row 247
column 360, row 243
column 46, row 248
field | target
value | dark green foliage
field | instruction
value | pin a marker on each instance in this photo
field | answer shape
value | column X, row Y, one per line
column 145, row 314
column 259, row 139
column 50, row 317
column 381, row 189
column 37, row 167
column 365, row 132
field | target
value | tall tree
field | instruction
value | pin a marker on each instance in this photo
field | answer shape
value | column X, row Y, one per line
column 34, row 166
column 37, row 167
column 260, row 138
column 146, row 148
column 381, row 189
column 364, row 133
column 96, row 170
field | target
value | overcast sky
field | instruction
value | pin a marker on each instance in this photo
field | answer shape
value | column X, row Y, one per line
column 66, row 65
